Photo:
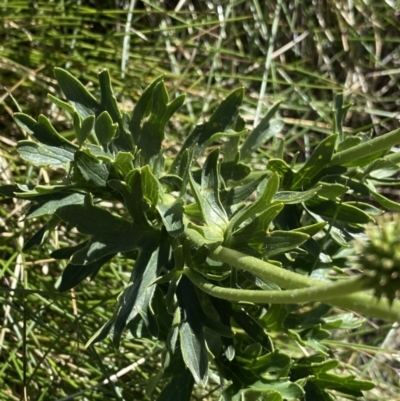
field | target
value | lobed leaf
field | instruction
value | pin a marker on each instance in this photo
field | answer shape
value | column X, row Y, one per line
column 172, row 217
column 133, row 197
column 149, row 117
column 110, row 234
column 207, row 195
column 91, row 168
column 43, row 131
column 222, row 118
column 251, row 211
column 136, row 298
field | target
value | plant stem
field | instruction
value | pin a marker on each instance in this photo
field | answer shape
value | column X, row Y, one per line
column 317, row 293
column 378, row 144
column 361, row 303
column 284, row 278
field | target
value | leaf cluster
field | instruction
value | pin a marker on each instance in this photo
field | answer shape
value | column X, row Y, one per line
column 179, row 209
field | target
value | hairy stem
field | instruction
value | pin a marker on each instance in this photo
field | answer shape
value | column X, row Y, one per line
column 361, row 303
column 321, row 292
column 365, row 304
column 367, row 148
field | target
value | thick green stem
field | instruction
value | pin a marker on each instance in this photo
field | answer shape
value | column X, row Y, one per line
column 367, row 148
column 365, row 304
column 265, row 270
column 321, row 292
column 362, row 303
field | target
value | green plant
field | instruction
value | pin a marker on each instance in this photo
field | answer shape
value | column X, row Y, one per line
column 219, row 274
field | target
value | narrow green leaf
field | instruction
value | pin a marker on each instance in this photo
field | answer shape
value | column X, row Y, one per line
column 265, row 130
column 142, row 108
column 49, row 207
column 385, row 202
column 122, row 138
column 272, row 366
column 349, row 385
column 44, row 155
column 194, row 351
column 228, row 133
column 366, row 207
column 105, row 128
column 76, row 93
column 108, row 100
column 179, row 388
column 331, row 191
column 254, row 330
column 339, row 114
column 367, row 151
column 38, row 192
column 349, row 143
column 136, row 298
column 171, row 181
column 68, row 251
column 75, row 274
column 312, row 229
column 339, row 237
column 40, row 236
column 286, row 389
column 86, row 128
column 319, row 159
column 254, row 233
column 99, row 152
column 283, row 241
column 77, row 120
column 61, row 104
column 250, row 394
column 293, row 197
column 192, row 340
column 233, row 196
column 343, row 211
column 380, row 169
column 358, row 188
column 233, row 171
column 150, row 186
column 173, row 106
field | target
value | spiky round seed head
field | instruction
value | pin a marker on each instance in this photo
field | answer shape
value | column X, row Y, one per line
column 379, row 255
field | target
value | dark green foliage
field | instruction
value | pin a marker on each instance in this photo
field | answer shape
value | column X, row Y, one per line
column 177, row 214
